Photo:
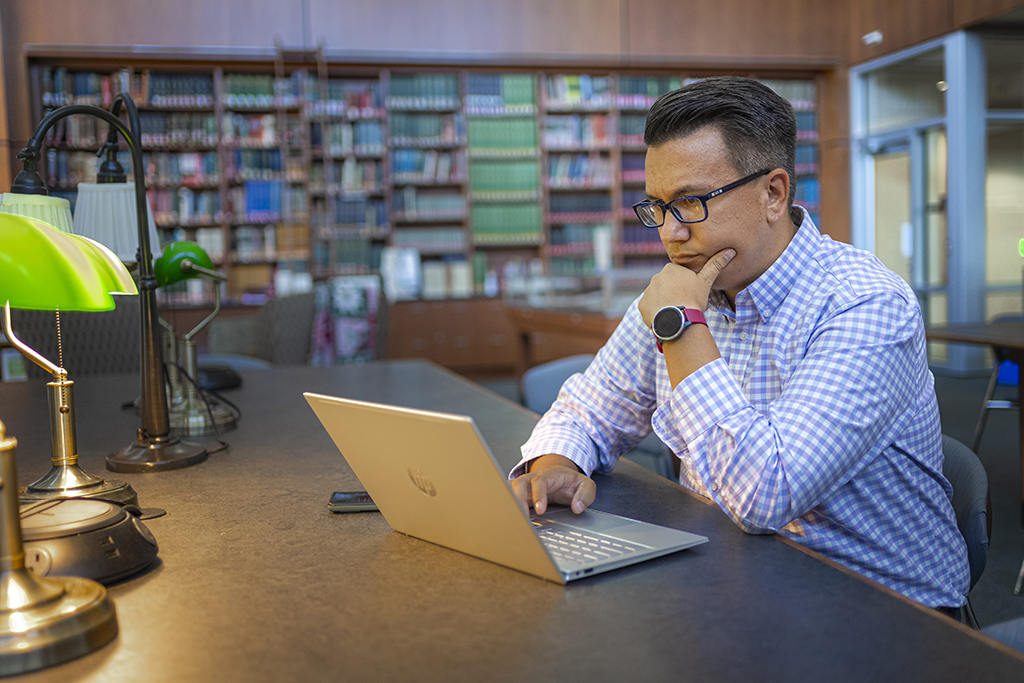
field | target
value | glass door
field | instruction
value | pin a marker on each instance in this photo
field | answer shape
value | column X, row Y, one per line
column 893, row 219
column 908, row 213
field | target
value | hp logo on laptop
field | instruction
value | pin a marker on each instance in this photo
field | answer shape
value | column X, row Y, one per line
column 422, row 483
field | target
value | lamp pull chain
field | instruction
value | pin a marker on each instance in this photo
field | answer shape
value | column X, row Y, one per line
column 60, row 360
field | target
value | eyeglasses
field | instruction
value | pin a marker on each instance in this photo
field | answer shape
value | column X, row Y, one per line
column 693, row 209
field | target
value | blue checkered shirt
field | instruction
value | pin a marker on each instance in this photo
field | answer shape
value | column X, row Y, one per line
column 819, row 422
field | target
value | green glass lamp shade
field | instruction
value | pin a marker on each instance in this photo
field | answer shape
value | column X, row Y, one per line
column 168, row 268
column 43, row 268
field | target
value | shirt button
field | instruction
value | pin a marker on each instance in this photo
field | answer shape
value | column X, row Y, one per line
column 714, row 486
column 743, row 336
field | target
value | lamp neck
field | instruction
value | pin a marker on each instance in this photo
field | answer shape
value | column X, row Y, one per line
column 110, row 170
column 28, row 181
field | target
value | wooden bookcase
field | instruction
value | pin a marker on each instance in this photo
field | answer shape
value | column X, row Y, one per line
column 305, row 165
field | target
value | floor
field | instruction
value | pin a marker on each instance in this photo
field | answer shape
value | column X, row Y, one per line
column 959, row 400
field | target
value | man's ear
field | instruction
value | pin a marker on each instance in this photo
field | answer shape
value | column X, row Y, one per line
column 778, row 195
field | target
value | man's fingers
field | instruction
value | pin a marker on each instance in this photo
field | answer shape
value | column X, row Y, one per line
column 584, row 495
column 715, row 265
column 539, row 489
column 554, row 485
column 521, row 492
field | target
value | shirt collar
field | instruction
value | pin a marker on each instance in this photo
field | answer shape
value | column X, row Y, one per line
column 764, row 296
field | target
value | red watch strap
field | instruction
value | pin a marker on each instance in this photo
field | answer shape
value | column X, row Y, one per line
column 695, row 316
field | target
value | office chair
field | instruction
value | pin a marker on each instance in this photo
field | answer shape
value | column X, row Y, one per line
column 542, row 383
column 1006, row 373
column 97, row 343
column 540, row 387
column 966, row 474
column 1008, row 632
column 284, row 328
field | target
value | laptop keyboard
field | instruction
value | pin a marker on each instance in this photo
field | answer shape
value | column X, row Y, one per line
column 574, row 548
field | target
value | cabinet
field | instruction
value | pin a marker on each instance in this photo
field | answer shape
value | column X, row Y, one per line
column 471, row 336
column 298, row 165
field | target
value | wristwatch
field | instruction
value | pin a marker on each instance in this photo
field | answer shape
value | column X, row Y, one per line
column 670, row 323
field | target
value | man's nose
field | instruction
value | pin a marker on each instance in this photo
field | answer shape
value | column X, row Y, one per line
column 674, row 230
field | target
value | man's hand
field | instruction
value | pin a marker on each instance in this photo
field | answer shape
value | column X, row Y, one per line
column 553, row 478
column 677, row 285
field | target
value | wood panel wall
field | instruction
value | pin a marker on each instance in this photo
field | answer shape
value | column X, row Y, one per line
column 969, row 13
column 907, row 22
column 5, row 145
column 735, row 31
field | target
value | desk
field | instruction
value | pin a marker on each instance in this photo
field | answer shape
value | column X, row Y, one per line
column 1008, row 336
column 259, row 582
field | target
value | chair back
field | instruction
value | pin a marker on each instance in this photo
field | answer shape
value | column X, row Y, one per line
column 542, row 383
column 283, row 329
column 966, row 474
column 92, row 343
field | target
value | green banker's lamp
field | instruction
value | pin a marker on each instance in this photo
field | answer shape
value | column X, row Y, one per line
column 46, row 621
column 192, row 415
column 42, row 268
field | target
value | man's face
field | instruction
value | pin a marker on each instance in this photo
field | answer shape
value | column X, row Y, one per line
column 696, row 165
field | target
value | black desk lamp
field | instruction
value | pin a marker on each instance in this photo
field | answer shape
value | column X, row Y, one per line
column 154, row 449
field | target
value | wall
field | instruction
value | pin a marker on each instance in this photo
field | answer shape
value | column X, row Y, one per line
column 906, row 22
column 5, row 168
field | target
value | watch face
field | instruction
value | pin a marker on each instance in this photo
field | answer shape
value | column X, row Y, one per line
column 668, row 323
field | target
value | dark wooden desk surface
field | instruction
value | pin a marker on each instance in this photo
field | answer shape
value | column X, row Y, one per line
column 1007, row 335
column 257, row 581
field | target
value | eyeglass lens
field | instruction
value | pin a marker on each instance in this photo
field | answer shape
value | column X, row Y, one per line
column 686, row 209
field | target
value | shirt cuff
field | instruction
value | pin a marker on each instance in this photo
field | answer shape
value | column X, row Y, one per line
column 697, row 404
column 578, row 448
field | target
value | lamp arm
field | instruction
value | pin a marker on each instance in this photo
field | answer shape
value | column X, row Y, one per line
column 135, row 146
column 130, row 134
column 212, row 274
column 35, row 143
column 207, row 319
column 58, row 373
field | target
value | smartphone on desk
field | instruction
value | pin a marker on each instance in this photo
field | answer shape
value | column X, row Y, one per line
column 351, row 501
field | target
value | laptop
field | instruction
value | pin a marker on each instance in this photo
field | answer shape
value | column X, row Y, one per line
column 433, row 477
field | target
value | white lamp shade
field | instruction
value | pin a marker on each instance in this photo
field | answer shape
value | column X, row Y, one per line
column 105, row 212
column 50, row 210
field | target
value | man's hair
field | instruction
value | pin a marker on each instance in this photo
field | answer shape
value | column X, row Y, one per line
column 758, row 126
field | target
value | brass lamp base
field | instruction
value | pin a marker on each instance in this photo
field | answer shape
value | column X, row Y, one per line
column 191, row 417
column 57, row 485
column 156, row 455
column 79, row 619
column 43, row 621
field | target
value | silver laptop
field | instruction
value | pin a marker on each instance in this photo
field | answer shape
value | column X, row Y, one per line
column 433, row 477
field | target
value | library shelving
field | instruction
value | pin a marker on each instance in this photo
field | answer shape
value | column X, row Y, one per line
column 297, row 162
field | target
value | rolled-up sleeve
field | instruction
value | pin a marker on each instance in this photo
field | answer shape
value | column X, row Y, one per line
column 606, row 410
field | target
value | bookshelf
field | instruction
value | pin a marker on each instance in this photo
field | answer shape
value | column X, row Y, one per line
column 301, row 165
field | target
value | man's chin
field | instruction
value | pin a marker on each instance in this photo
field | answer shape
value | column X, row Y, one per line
column 694, row 263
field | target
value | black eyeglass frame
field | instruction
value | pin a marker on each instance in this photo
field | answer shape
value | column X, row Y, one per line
column 703, row 199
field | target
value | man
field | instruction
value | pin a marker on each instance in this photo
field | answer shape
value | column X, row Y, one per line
column 803, row 404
